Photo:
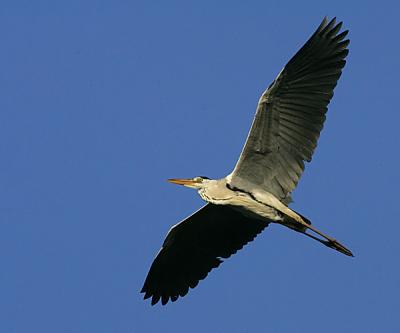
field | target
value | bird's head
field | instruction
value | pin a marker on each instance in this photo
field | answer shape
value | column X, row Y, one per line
column 196, row 182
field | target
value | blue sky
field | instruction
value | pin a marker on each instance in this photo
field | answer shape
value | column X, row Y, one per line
column 101, row 101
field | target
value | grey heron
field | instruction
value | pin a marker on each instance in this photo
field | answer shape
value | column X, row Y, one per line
column 287, row 124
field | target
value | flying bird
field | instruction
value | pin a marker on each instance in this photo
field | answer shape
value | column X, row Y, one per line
column 289, row 118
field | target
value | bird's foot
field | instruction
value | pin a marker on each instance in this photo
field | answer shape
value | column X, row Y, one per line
column 334, row 244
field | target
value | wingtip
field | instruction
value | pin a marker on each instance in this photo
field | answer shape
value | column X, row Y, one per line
column 155, row 300
column 323, row 23
column 328, row 26
column 164, row 300
column 146, row 295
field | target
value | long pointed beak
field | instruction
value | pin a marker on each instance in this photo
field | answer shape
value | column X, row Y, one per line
column 182, row 181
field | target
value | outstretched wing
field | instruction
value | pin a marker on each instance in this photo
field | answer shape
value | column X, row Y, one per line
column 290, row 115
column 194, row 247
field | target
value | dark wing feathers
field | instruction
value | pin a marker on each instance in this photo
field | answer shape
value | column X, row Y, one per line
column 194, row 247
column 291, row 113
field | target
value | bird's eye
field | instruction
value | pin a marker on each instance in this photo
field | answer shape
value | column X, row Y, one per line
column 198, row 179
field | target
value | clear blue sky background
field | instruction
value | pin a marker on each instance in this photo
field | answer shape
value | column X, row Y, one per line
column 101, row 101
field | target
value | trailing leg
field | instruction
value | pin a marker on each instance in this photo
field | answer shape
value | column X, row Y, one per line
column 305, row 224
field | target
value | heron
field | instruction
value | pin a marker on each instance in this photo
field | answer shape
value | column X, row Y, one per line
column 289, row 118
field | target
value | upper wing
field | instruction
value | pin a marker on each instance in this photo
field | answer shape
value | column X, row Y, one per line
column 194, row 247
column 291, row 113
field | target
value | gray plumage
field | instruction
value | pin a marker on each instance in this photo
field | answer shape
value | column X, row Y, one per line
column 289, row 117
column 291, row 113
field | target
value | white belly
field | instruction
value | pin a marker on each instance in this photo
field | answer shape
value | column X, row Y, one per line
column 244, row 202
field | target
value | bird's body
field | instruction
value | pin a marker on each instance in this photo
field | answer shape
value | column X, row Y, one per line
column 287, row 124
column 262, row 203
